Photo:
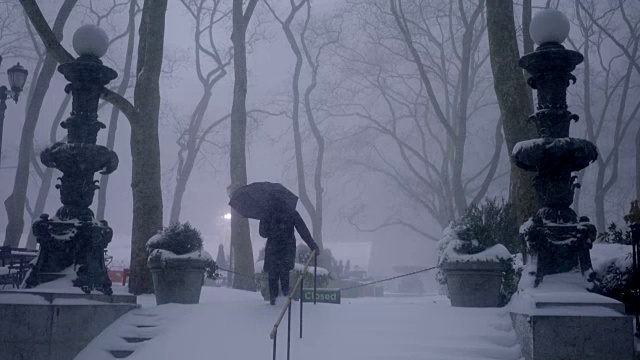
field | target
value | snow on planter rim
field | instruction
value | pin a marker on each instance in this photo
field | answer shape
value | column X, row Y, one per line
column 449, row 243
column 495, row 253
column 154, row 240
column 196, row 255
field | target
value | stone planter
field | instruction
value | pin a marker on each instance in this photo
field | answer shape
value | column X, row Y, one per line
column 474, row 283
column 177, row 280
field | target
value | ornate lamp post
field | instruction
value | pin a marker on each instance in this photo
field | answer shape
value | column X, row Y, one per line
column 17, row 78
column 557, row 241
column 73, row 237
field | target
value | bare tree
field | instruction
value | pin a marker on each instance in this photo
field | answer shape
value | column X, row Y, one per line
column 610, row 77
column 514, row 96
column 240, row 232
column 15, row 203
column 13, row 33
column 211, row 67
column 143, row 116
column 420, row 84
column 121, row 90
column 308, row 44
column 314, row 42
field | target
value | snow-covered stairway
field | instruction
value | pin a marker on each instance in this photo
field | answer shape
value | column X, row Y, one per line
column 409, row 329
column 233, row 324
column 488, row 335
column 131, row 332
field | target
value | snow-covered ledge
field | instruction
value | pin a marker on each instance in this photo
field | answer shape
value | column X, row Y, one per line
column 561, row 319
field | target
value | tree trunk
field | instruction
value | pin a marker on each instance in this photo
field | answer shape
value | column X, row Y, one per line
column 15, row 203
column 178, row 194
column 463, row 102
column 314, row 210
column 145, row 145
column 316, row 217
column 192, row 149
column 115, row 112
column 47, row 176
column 240, row 232
column 527, row 41
column 513, row 99
column 601, row 220
column 638, row 164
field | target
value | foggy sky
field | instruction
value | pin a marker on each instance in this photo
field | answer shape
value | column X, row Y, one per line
column 269, row 147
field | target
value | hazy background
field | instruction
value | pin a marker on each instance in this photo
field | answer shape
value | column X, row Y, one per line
column 270, row 148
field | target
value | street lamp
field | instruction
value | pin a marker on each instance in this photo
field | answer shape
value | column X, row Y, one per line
column 73, row 237
column 557, row 240
column 17, row 78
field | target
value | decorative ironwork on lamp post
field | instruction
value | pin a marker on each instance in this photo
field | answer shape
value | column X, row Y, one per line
column 17, row 78
column 73, row 237
column 557, row 241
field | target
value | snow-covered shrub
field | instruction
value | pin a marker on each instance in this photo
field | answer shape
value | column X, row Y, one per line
column 613, row 268
column 615, row 235
column 180, row 242
column 483, row 226
column 179, row 238
column 511, row 278
column 486, row 232
column 325, row 258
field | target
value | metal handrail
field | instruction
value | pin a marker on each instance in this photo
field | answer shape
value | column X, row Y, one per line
column 274, row 331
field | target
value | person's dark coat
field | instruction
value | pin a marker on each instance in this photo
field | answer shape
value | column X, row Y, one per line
column 280, row 251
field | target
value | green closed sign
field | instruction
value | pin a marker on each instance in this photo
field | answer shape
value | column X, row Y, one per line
column 329, row 296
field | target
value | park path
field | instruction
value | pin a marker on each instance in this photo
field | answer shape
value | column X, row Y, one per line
column 230, row 324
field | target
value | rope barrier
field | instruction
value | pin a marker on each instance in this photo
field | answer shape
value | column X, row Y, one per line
column 239, row 274
column 346, row 288
column 388, row 279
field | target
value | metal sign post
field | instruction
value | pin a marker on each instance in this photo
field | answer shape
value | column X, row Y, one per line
column 275, row 339
column 289, row 333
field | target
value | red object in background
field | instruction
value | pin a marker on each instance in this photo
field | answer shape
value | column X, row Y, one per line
column 125, row 275
column 115, row 276
column 119, row 276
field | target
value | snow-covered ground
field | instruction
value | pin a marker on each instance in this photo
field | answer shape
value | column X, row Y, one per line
column 231, row 324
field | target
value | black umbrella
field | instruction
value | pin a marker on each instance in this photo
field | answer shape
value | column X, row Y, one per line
column 260, row 200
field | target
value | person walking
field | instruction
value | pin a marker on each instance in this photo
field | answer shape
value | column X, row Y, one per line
column 280, row 250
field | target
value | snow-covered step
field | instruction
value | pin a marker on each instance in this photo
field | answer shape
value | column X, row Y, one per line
column 232, row 324
column 130, row 333
column 417, row 328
